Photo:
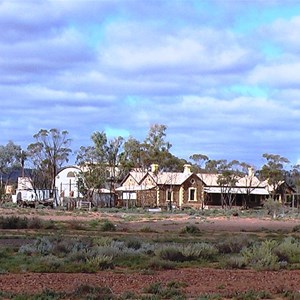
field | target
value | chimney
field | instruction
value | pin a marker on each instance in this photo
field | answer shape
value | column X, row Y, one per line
column 187, row 169
column 154, row 168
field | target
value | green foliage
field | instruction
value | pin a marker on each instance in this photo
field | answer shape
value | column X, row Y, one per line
column 100, row 262
column 273, row 207
column 288, row 250
column 191, row 229
column 147, row 229
column 187, row 252
column 193, row 251
column 261, row 256
column 133, row 243
column 296, row 228
column 94, row 292
column 13, row 222
column 158, row 264
column 171, row 291
column 234, row 244
column 171, row 253
column 16, row 222
column 107, row 226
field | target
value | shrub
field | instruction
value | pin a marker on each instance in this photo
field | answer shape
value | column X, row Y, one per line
column 190, row 229
column 273, row 207
column 234, row 244
column 154, row 288
column 199, row 250
column 288, row 250
column 41, row 245
column 102, row 262
column 13, row 222
column 147, row 229
column 260, row 256
column 296, row 228
column 233, row 262
column 108, row 226
column 133, row 243
column 94, row 292
column 158, row 264
column 171, row 253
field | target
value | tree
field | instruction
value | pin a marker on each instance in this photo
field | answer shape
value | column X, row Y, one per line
column 273, row 171
column 99, row 160
column 9, row 161
column 199, row 160
column 155, row 147
column 48, row 154
column 131, row 157
column 229, row 175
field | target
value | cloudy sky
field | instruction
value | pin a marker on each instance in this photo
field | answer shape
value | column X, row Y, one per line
column 222, row 75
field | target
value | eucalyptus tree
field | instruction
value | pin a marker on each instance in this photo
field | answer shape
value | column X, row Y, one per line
column 48, row 154
column 199, row 161
column 273, row 171
column 156, row 148
column 99, row 163
column 10, row 155
column 228, row 177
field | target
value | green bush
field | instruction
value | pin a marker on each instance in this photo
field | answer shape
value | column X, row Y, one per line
column 296, row 228
column 102, row 262
column 94, row 292
column 190, row 229
column 171, row 253
column 133, row 243
column 234, row 244
column 202, row 250
column 108, row 226
column 288, row 250
column 233, row 262
column 261, row 256
column 13, row 222
column 158, row 264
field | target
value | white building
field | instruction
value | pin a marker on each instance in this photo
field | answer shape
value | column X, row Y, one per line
column 66, row 183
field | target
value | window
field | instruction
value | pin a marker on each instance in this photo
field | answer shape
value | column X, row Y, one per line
column 192, row 194
column 169, row 195
column 71, row 174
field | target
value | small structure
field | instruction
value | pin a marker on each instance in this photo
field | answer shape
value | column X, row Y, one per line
column 67, row 184
column 27, row 195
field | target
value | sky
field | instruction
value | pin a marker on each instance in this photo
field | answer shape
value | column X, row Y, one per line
column 222, row 75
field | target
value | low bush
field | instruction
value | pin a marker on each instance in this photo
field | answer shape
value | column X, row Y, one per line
column 93, row 292
column 234, row 244
column 191, row 229
column 261, row 256
column 158, row 264
column 107, row 226
column 202, row 250
column 233, row 262
column 102, row 262
column 288, row 250
column 13, row 222
column 171, row 253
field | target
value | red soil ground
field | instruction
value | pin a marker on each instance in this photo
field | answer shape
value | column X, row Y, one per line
column 198, row 281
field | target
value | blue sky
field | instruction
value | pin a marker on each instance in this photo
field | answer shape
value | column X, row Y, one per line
column 223, row 75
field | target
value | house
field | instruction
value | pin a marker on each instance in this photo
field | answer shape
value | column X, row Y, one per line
column 142, row 188
column 248, row 191
column 162, row 189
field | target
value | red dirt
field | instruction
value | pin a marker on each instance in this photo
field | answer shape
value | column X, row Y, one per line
column 198, row 281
